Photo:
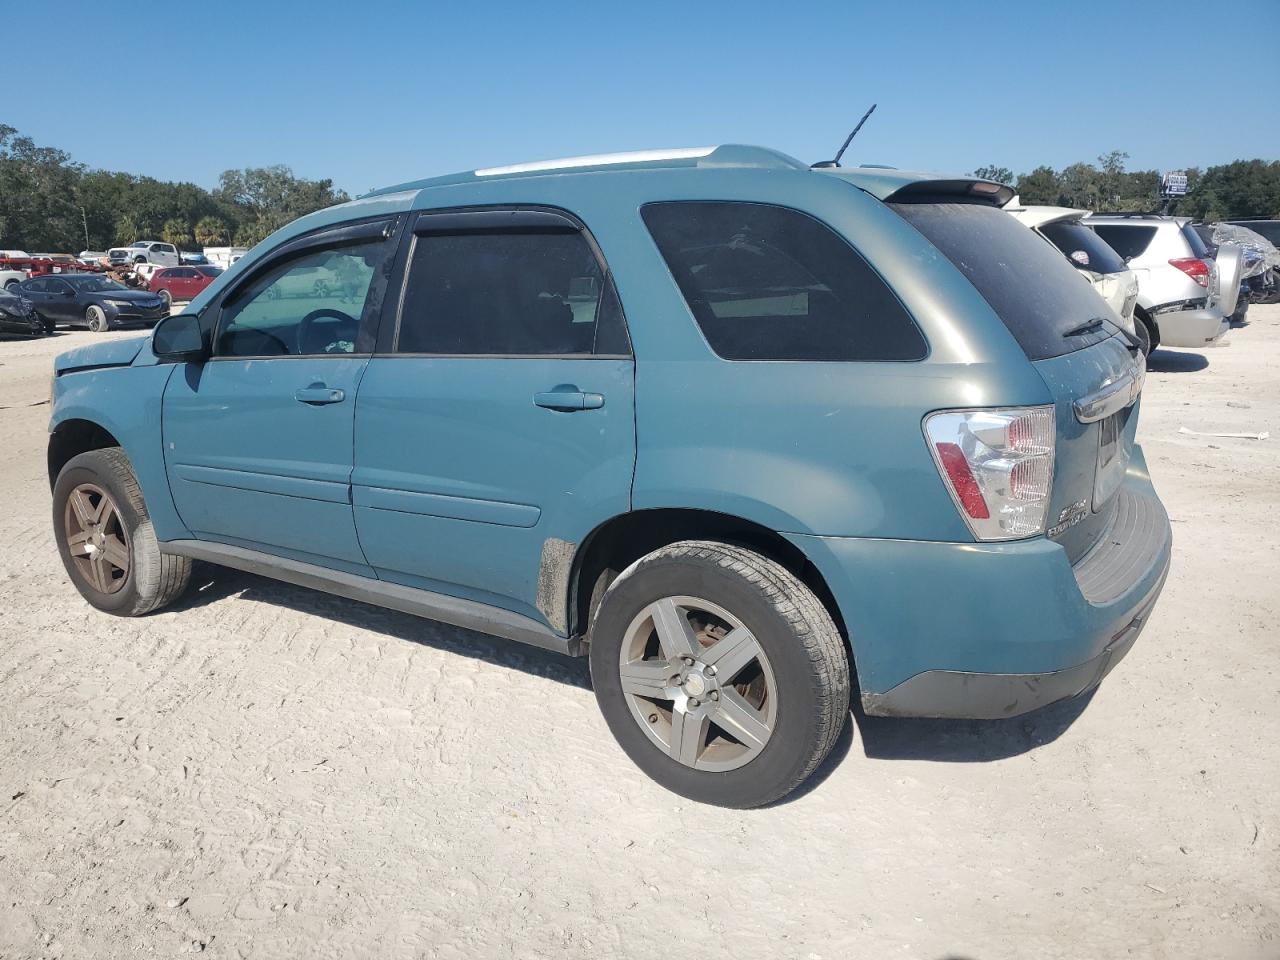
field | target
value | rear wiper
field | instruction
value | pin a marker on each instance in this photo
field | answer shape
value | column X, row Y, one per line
column 1087, row 327
column 1093, row 324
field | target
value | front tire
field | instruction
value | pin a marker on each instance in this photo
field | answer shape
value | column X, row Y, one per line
column 720, row 674
column 106, row 540
column 96, row 318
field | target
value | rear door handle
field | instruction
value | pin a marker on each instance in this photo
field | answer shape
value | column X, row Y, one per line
column 318, row 394
column 568, row 399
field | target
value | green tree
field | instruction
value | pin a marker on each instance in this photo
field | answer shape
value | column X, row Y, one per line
column 992, row 172
column 177, row 232
column 1040, row 186
column 126, row 230
column 212, row 232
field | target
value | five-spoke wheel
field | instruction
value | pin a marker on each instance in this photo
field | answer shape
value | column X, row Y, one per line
column 698, row 683
column 719, row 672
column 96, row 538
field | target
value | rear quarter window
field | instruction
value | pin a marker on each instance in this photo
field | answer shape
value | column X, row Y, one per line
column 1029, row 284
column 770, row 283
column 1083, row 247
column 1128, row 241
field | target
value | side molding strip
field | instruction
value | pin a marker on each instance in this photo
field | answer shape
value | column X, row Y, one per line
column 421, row 603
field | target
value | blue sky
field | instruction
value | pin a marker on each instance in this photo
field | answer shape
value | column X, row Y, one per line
column 371, row 93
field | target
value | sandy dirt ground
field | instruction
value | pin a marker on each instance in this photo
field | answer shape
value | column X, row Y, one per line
column 268, row 772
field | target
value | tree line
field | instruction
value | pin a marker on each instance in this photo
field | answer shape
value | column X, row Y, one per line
column 51, row 203
column 1242, row 190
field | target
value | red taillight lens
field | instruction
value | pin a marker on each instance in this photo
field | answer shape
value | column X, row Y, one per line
column 962, row 482
column 1193, row 267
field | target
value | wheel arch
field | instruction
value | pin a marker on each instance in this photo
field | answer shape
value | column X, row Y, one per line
column 72, row 437
column 621, row 540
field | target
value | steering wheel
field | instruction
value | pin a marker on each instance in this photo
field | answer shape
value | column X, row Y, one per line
column 345, row 320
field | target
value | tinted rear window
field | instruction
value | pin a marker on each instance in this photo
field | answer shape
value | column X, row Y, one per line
column 1083, row 247
column 1028, row 283
column 769, row 283
column 1125, row 240
column 1198, row 249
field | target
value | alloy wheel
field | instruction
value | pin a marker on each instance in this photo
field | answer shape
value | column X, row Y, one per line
column 698, row 683
column 96, row 538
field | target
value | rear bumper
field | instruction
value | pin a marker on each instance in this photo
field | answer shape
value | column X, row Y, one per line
column 994, row 630
column 1190, row 328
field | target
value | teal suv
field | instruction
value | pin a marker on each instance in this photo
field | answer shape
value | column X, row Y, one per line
column 749, row 435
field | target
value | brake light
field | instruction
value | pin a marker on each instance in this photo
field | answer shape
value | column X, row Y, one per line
column 1193, row 267
column 997, row 465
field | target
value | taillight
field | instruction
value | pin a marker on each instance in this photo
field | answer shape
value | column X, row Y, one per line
column 1193, row 267
column 998, row 466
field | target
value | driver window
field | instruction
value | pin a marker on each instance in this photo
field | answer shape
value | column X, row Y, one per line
column 311, row 305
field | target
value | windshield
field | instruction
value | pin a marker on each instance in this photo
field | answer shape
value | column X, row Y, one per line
column 1029, row 285
column 1083, row 247
column 95, row 284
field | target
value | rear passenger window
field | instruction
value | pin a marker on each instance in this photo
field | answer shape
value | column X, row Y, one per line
column 509, row 294
column 1129, row 242
column 769, row 283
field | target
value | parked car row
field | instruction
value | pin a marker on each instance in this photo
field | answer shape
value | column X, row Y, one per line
column 85, row 300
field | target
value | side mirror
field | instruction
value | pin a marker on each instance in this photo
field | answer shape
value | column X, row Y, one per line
column 180, row 339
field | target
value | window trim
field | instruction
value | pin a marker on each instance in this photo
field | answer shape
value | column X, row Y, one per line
column 332, row 236
column 495, row 219
column 697, row 326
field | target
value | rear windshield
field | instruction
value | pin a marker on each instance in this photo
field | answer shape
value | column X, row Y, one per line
column 1083, row 247
column 1125, row 240
column 1198, row 249
column 1031, row 286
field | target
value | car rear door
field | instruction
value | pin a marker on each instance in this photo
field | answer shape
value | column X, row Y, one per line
column 495, row 425
column 258, row 440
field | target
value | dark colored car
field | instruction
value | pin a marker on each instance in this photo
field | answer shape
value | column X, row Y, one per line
column 18, row 316
column 88, row 300
column 1267, row 228
column 182, row 283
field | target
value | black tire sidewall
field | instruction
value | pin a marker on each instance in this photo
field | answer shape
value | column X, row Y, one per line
column 781, row 763
column 1143, row 333
column 88, row 468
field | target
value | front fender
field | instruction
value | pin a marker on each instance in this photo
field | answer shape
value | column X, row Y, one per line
column 126, row 402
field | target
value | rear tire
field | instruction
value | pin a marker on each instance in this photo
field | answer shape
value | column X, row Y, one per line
column 1147, row 331
column 1144, row 336
column 681, row 717
column 96, row 318
column 106, row 540
column 167, row 297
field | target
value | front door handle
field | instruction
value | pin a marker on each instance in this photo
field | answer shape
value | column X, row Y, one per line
column 318, row 394
column 568, row 398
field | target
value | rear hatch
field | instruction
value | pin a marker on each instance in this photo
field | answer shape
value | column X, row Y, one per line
column 1073, row 338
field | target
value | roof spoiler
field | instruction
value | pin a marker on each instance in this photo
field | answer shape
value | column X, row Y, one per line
column 953, row 191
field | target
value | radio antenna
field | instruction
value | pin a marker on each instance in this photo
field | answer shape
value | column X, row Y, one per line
column 847, row 140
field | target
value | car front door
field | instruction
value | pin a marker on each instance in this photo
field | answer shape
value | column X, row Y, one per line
column 60, row 302
column 258, row 439
column 495, row 425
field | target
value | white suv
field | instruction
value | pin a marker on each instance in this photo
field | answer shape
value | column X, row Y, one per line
column 1180, row 299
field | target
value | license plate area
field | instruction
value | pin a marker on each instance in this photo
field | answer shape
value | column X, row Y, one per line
column 1113, row 457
